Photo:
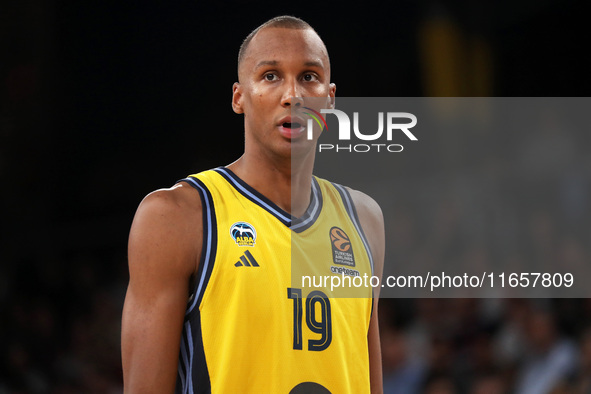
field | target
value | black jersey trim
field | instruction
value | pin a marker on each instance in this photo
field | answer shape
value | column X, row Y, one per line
column 306, row 221
column 295, row 224
column 193, row 374
column 350, row 207
column 208, row 250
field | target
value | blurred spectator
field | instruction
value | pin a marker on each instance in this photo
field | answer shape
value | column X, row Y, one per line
column 492, row 383
column 551, row 358
column 510, row 338
column 581, row 382
column 440, row 384
column 403, row 374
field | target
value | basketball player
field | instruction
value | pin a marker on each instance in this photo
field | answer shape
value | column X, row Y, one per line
column 210, row 305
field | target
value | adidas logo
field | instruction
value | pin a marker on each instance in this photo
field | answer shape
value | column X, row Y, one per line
column 247, row 260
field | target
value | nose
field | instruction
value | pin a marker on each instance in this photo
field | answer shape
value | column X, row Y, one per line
column 292, row 96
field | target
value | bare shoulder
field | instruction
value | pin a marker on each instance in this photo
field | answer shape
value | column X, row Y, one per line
column 168, row 223
column 178, row 200
column 367, row 208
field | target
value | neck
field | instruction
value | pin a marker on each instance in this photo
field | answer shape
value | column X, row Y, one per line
column 287, row 183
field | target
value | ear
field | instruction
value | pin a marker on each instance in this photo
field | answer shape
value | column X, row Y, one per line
column 237, row 98
column 331, row 94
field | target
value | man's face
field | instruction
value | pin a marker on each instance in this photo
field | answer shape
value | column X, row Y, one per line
column 280, row 64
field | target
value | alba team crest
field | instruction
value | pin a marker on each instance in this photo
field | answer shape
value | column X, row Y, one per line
column 243, row 233
column 342, row 250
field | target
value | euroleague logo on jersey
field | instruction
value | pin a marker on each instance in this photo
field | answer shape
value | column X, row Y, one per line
column 342, row 250
column 243, row 234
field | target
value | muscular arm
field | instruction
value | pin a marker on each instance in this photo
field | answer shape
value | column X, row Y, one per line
column 164, row 247
column 372, row 222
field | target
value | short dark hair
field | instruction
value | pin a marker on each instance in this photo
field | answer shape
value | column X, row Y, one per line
column 284, row 21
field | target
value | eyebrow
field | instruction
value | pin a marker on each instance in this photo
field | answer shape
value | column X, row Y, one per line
column 312, row 63
column 267, row 63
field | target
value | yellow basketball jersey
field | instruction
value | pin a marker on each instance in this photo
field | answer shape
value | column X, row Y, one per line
column 250, row 329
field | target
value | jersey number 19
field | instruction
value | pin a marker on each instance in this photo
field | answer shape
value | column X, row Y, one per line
column 321, row 324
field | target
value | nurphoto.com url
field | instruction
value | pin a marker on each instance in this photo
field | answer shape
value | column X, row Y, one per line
column 442, row 280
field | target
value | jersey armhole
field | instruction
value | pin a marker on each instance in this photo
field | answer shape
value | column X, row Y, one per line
column 350, row 208
column 209, row 243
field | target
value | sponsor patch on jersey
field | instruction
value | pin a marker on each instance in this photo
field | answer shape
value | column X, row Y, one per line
column 343, row 271
column 243, row 234
column 342, row 250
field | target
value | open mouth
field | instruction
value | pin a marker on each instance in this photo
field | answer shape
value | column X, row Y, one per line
column 293, row 125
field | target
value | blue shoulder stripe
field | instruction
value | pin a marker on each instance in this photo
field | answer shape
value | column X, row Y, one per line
column 209, row 246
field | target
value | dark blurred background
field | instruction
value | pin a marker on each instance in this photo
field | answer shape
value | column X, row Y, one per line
column 103, row 102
